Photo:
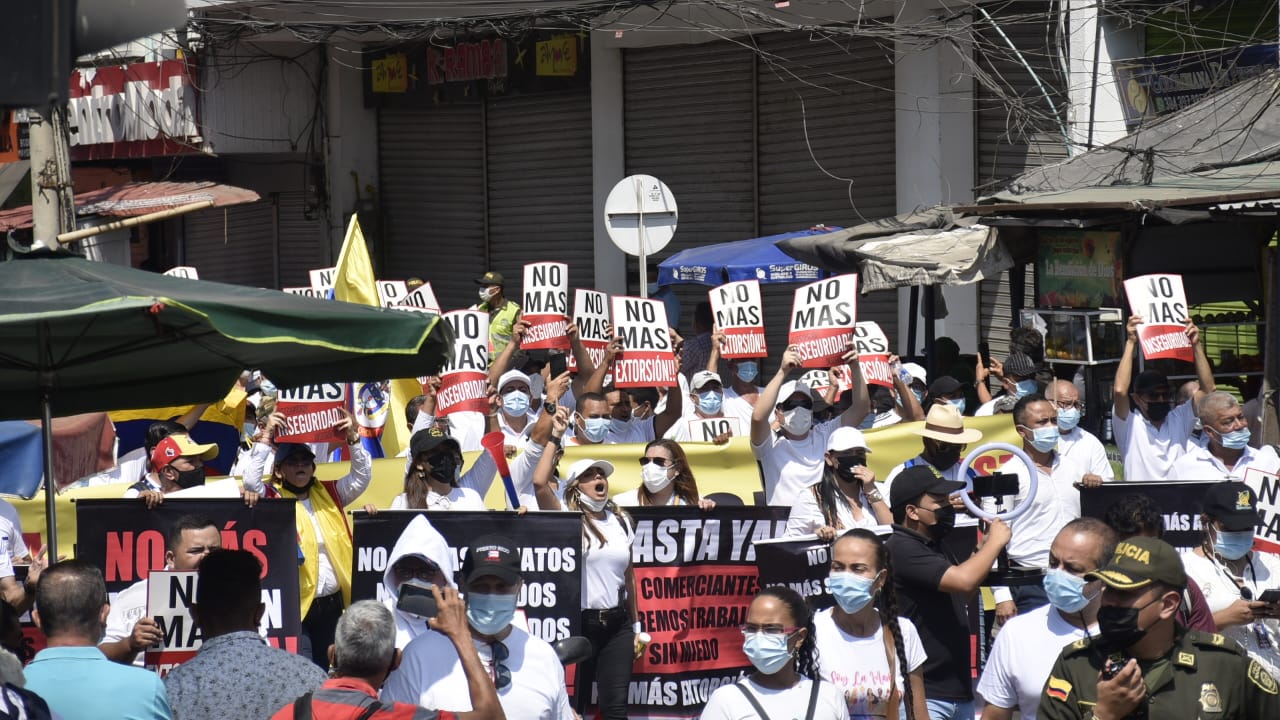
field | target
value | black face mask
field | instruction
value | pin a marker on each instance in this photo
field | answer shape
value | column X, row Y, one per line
column 1158, row 411
column 444, row 468
column 845, row 466
column 1119, row 625
column 946, row 522
column 944, row 457
column 189, row 478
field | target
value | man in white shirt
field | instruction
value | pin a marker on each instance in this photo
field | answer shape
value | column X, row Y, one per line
column 1026, row 647
column 1152, row 439
column 526, row 671
column 706, row 402
column 1075, row 443
column 514, row 417
column 1226, row 454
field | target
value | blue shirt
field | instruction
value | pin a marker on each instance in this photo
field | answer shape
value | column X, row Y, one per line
column 80, row 682
column 237, row 675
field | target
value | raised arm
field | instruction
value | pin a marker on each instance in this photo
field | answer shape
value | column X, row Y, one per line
column 861, row 405
column 546, row 470
column 907, row 401
column 502, row 363
column 596, row 382
column 970, row 574
column 1124, row 371
column 713, row 357
column 1204, row 373
column 768, row 398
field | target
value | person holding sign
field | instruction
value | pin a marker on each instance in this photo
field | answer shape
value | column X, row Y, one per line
column 1152, row 439
column 741, row 392
column 707, row 421
column 846, row 497
column 178, row 462
column 503, row 313
column 666, row 479
column 1226, row 453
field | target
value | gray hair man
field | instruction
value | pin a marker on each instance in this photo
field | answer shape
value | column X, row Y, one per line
column 1226, row 453
column 1074, row 442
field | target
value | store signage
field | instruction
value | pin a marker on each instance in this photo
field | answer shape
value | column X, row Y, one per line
column 1152, row 86
column 1079, row 268
column 133, row 111
column 465, row 62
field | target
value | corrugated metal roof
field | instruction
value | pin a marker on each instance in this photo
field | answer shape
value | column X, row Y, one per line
column 140, row 198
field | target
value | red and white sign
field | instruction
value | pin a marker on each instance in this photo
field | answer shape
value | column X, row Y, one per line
column 1162, row 303
column 708, row 429
column 322, row 278
column 873, row 353
column 464, row 382
column 739, row 314
column 311, row 411
column 320, row 293
column 391, row 292
column 421, row 299
column 648, row 359
column 1267, row 487
column 546, row 306
column 591, row 315
column 170, row 594
column 840, row 376
column 183, row 271
column 134, row 111
column 822, row 320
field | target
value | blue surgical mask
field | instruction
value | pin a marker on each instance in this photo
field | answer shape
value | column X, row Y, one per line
column 746, row 370
column 1235, row 440
column 710, row 401
column 767, row 652
column 619, row 426
column 250, row 429
column 852, row 592
column 919, row 394
column 489, row 614
column 1233, row 545
column 1044, row 439
column 595, row 428
column 1025, row 388
column 1068, row 419
column 1065, row 591
column 515, row 403
column 959, row 405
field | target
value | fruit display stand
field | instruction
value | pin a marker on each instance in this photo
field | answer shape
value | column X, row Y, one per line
column 1079, row 337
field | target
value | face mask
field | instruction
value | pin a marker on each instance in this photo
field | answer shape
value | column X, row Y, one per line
column 515, row 403
column 797, row 421
column 619, row 426
column 946, row 517
column 1044, row 439
column 595, row 428
column 1158, row 411
column 250, row 429
column 959, row 405
column 1065, row 591
column 592, row 504
column 945, row 456
column 445, row 468
column 846, row 464
column 1024, row 388
column 747, row 370
column 489, row 614
column 1068, row 419
column 484, row 294
column 190, row 478
column 1233, row 545
column 709, row 402
column 919, row 395
column 852, row 592
column 1235, row 440
column 768, row 653
column 1119, row 626
column 655, row 478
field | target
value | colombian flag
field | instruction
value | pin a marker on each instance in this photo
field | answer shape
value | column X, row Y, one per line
column 221, row 424
column 1057, row 688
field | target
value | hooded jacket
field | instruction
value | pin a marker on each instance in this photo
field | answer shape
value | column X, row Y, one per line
column 423, row 541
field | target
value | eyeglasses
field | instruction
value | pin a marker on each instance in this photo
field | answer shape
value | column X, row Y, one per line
column 775, row 630
column 659, row 461
column 422, row 572
column 791, row 404
column 1068, row 404
column 499, row 673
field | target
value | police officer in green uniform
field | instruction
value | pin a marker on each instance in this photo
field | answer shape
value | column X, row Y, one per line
column 503, row 313
column 1144, row 665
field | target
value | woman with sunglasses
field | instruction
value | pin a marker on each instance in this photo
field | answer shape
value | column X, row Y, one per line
column 871, row 654
column 608, row 588
column 847, row 497
column 778, row 639
column 666, row 479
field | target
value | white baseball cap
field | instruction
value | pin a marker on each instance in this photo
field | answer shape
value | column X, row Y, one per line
column 846, row 438
column 792, row 387
column 511, row 375
column 916, row 372
column 586, row 464
column 701, row 378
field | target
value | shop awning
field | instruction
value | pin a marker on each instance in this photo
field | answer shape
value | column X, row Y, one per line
column 140, row 198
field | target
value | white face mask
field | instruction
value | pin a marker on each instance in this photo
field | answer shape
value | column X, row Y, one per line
column 656, row 479
column 591, row 503
column 485, row 294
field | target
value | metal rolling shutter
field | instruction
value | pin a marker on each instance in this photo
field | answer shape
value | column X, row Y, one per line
column 833, row 103
column 540, row 185
column 996, row 314
column 431, row 179
column 301, row 243
column 233, row 245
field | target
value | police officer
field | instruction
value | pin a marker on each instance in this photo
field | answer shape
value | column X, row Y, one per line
column 1144, row 665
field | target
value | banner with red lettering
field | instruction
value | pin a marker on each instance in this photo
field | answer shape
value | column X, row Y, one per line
column 647, row 359
column 1162, row 303
column 464, row 382
column 873, row 353
column 170, row 595
column 695, row 577
column 128, row 541
column 546, row 306
column 420, row 299
column 822, row 320
column 311, row 411
column 739, row 314
column 591, row 315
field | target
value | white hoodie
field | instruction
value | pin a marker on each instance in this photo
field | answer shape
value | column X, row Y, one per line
column 423, row 541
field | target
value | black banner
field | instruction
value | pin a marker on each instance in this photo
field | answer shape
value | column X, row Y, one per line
column 800, row 564
column 128, row 541
column 552, row 549
column 1178, row 501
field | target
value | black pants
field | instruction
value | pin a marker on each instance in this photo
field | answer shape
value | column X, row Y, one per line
column 318, row 628
column 610, row 667
column 1029, row 597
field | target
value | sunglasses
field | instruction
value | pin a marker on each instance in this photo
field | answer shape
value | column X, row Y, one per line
column 499, row 673
column 793, row 404
column 659, row 461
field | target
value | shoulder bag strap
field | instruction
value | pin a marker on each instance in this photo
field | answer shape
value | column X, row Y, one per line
column 813, row 699
column 371, row 710
column 751, row 698
column 302, row 708
column 891, row 655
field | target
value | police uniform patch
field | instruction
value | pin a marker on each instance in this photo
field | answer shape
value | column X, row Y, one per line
column 1057, row 688
column 1216, row 639
column 1210, row 700
column 1185, row 659
column 1259, row 676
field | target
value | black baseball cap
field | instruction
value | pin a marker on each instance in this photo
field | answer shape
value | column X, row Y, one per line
column 944, row 385
column 917, row 480
column 1140, row 561
column 493, row 555
column 1233, row 504
column 424, row 441
column 1149, row 380
column 285, row 451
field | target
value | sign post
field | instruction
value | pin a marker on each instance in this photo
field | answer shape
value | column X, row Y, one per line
column 631, row 202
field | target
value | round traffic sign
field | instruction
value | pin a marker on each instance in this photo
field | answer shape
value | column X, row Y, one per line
column 640, row 208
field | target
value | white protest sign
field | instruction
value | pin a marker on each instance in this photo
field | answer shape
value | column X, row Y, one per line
column 311, row 411
column 420, row 299
column 464, row 382
column 817, row 380
column 822, row 320
column 391, row 292
column 1162, row 303
column 591, row 315
column 709, row 429
column 647, row 358
column 873, row 353
column 322, row 278
column 1266, row 486
column 183, row 271
column 307, row 291
column 739, row 314
column 546, row 306
column 170, row 594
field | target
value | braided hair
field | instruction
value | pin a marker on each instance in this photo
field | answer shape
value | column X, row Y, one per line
column 807, row 652
column 887, row 605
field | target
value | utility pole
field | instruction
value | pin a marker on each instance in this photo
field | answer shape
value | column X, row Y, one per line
column 52, row 201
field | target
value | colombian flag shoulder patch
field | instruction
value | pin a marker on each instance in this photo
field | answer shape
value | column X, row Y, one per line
column 1058, row 689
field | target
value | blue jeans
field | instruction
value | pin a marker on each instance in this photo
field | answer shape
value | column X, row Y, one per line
column 950, row 710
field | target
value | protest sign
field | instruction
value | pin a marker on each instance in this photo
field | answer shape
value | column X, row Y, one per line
column 1162, row 303
column 841, row 376
column 170, row 594
column 800, row 563
column 873, row 353
column 464, row 382
column 550, row 545
column 591, row 315
column 127, row 541
column 546, row 306
column 1178, row 501
column 739, row 314
column 708, row 429
column 183, row 271
column 1267, row 487
column 321, row 293
column 391, row 292
column 647, row 358
column 817, row 380
column 822, row 320
column 311, row 411
column 695, row 575
column 420, row 299
column 322, row 278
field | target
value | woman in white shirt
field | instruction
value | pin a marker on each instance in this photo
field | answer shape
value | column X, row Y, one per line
column 846, row 497
column 666, row 479
column 880, row 674
column 431, row 479
column 608, row 588
column 778, row 639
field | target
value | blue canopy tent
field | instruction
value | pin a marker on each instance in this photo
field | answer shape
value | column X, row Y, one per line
column 754, row 259
column 21, row 456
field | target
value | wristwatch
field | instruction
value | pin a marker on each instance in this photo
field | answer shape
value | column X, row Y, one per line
column 549, row 407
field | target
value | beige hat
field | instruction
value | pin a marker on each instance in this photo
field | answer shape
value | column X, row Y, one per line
column 945, row 424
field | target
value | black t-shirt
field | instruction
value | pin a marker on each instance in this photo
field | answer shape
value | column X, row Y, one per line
column 941, row 618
